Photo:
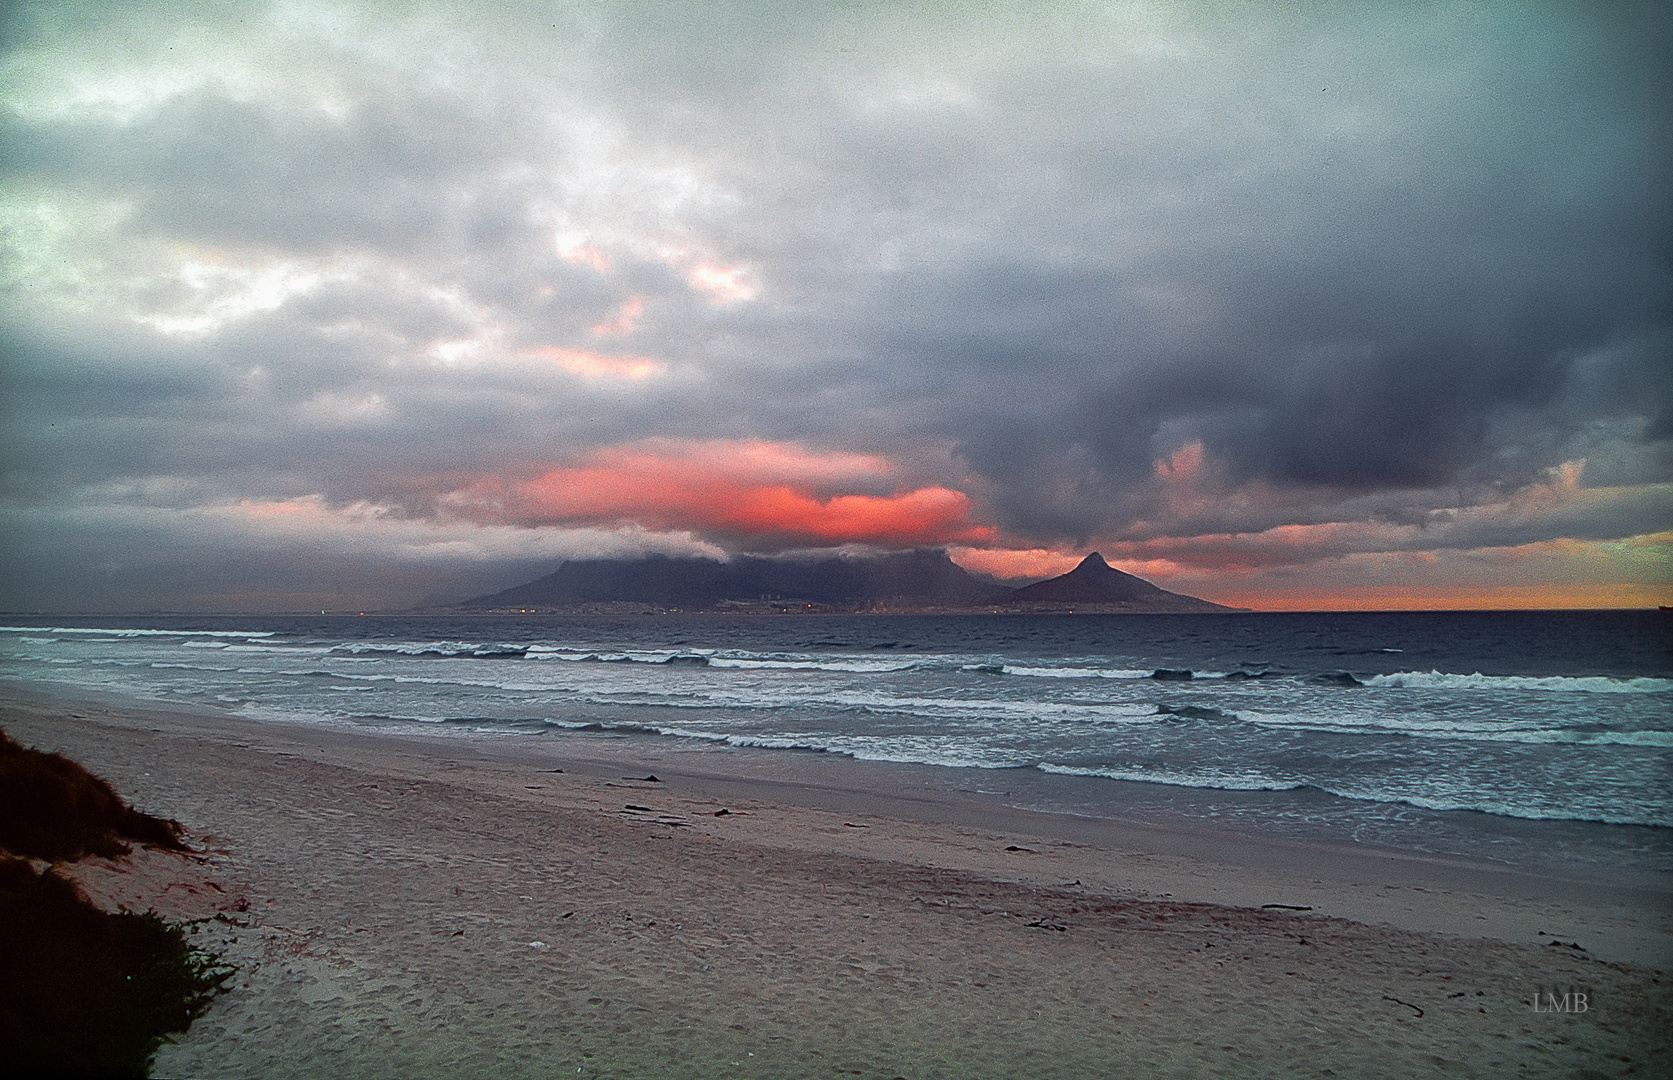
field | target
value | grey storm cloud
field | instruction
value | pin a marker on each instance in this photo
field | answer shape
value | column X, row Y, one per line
column 1376, row 265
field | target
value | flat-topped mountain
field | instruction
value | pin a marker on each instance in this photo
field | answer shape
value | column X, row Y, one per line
column 925, row 579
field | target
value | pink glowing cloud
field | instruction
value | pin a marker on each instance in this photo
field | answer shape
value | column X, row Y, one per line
column 1183, row 465
column 1009, row 563
column 721, row 284
column 752, row 490
column 304, row 512
column 575, row 250
column 594, row 365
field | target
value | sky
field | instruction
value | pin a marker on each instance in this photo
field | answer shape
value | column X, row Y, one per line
column 337, row 306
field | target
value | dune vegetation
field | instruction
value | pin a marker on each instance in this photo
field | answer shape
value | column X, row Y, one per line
column 84, row 992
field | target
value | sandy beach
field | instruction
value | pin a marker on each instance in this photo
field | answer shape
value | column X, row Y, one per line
column 402, row 906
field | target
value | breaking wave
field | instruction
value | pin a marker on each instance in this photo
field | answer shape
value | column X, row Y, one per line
column 1584, row 684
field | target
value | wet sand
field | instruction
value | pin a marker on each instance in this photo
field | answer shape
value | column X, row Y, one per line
column 405, row 906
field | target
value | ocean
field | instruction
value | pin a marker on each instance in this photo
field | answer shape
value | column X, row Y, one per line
column 1535, row 739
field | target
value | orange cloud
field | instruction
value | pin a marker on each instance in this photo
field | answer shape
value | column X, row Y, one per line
column 304, row 512
column 722, row 284
column 752, row 490
column 577, row 250
column 1184, row 465
column 599, row 365
column 1006, row 563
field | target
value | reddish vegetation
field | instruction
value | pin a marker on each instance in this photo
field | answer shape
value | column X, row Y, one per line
column 51, row 808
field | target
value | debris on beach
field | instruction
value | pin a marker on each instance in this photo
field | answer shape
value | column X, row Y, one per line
column 1407, row 1004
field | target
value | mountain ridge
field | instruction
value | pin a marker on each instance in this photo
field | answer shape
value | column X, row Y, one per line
column 922, row 579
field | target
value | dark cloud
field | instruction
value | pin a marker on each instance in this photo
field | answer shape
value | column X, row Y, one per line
column 1377, row 264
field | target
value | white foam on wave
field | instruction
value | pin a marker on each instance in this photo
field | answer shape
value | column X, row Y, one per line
column 742, row 660
column 1584, row 684
column 409, row 648
column 1077, row 672
column 136, row 633
column 948, row 757
column 1558, row 810
column 1563, row 809
column 1038, row 672
column 896, row 750
column 165, row 665
column 746, row 660
column 1417, row 725
column 606, row 656
column 1218, row 780
column 1585, row 738
column 509, row 685
column 855, row 667
column 930, row 708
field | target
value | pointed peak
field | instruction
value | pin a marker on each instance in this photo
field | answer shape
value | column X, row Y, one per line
column 1093, row 561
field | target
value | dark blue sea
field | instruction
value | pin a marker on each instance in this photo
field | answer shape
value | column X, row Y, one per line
column 1530, row 738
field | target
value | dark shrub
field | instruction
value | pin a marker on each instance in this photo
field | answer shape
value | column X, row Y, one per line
column 87, row 993
column 51, row 808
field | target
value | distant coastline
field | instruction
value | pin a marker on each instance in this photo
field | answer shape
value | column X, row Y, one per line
column 781, row 607
column 921, row 582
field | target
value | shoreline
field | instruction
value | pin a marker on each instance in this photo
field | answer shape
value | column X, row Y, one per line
column 1622, row 915
column 395, row 883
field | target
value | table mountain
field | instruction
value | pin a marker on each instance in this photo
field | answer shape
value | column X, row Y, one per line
column 925, row 579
